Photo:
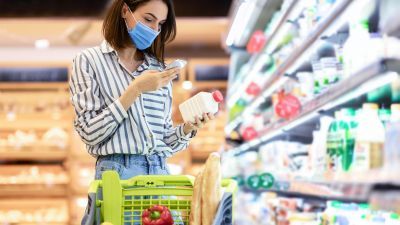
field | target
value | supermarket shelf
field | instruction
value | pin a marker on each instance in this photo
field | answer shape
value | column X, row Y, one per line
column 278, row 77
column 29, row 124
column 33, row 190
column 240, row 86
column 349, row 187
column 37, row 155
column 367, row 79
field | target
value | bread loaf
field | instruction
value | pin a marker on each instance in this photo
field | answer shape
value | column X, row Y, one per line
column 195, row 211
column 211, row 188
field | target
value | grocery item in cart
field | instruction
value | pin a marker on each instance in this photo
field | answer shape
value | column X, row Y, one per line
column 211, row 188
column 195, row 214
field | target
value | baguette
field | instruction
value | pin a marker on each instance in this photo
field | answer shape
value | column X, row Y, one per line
column 195, row 211
column 211, row 188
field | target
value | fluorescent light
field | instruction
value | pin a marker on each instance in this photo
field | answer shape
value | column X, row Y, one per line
column 239, row 23
column 42, row 44
column 187, row 85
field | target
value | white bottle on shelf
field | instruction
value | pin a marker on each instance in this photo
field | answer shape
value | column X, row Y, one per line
column 203, row 102
column 392, row 140
column 370, row 137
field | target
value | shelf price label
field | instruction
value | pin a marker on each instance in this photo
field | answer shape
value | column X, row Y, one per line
column 256, row 42
column 253, row 182
column 249, row 133
column 288, row 106
column 267, row 180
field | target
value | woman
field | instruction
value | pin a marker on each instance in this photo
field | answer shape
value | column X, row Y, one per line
column 122, row 93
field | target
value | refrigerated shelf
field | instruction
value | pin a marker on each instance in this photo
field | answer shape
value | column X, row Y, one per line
column 367, row 79
column 277, row 78
column 255, row 60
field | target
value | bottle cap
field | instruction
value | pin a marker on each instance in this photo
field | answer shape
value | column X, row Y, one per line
column 372, row 106
column 218, row 97
column 395, row 107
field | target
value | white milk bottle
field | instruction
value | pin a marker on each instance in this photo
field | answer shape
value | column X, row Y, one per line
column 370, row 137
column 203, row 102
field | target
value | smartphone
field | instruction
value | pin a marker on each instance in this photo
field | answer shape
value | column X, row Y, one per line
column 180, row 63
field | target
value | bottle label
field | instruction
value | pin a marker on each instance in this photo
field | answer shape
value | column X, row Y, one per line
column 368, row 155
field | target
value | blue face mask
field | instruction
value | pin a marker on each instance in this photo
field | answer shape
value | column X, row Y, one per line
column 141, row 35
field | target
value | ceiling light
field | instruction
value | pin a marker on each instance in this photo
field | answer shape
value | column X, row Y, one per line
column 187, row 85
column 42, row 44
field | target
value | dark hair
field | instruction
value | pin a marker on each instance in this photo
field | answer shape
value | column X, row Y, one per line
column 116, row 34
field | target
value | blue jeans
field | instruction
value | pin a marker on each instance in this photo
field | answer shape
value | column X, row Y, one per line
column 128, row 166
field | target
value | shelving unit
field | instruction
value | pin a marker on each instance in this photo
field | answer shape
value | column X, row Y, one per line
column 277, row 78
column 371, row 77
column 352, row 90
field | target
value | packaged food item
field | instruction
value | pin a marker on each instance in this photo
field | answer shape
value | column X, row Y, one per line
column 199, row 104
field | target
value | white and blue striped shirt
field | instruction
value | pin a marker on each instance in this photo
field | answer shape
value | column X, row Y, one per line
column 98, row 80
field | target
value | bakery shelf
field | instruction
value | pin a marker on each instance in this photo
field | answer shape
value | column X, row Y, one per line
column 33, row 154
column 277, row 78
column 33, row 181
column 53, row 211
column 37, row 125
column 373, row 76
column 33, row 190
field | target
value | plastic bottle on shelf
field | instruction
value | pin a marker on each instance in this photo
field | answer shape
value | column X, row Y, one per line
column 203, row 102
column 354, row 49
column 392, row 139
column 368, row 153
column 318, row 148
column 332, row 141
column 348, row 126
column 329, row 63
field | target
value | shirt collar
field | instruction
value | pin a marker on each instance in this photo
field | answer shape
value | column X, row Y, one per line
column 105, row 48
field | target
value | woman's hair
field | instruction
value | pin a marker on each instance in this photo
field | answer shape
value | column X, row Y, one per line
column 116, row 34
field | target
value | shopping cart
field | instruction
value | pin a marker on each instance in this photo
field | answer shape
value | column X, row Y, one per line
column 123, row 201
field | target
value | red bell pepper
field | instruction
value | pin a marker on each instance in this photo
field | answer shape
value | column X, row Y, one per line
column 157, row 215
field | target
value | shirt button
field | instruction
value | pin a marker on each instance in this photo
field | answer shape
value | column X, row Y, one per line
column 144, row 115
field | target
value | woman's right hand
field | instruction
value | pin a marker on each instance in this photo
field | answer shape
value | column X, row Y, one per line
column 151, row 80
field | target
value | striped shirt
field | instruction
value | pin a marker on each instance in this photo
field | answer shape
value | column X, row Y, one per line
column 98, row 80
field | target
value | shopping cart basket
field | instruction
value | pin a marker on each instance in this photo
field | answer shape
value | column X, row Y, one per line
column 123, row 201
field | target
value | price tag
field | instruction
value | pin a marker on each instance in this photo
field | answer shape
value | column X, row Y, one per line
column 253, row 89
column 253, row 182
column 267, row 180
column 288, row 106
column 256, row 42
column 249, row 133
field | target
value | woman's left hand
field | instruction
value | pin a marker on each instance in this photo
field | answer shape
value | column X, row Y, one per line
column 190, row 127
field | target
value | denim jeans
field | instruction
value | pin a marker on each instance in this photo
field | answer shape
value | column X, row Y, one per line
column 128, row 166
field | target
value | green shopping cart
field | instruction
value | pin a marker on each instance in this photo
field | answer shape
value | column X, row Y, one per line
column 121, row 202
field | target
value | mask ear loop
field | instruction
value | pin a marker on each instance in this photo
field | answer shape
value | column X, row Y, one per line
column 126, row 23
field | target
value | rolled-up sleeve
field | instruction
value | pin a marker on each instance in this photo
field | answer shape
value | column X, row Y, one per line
column 174, row 137
column 94, row 122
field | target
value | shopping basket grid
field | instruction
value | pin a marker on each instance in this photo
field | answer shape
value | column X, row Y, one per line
column 123, row 201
